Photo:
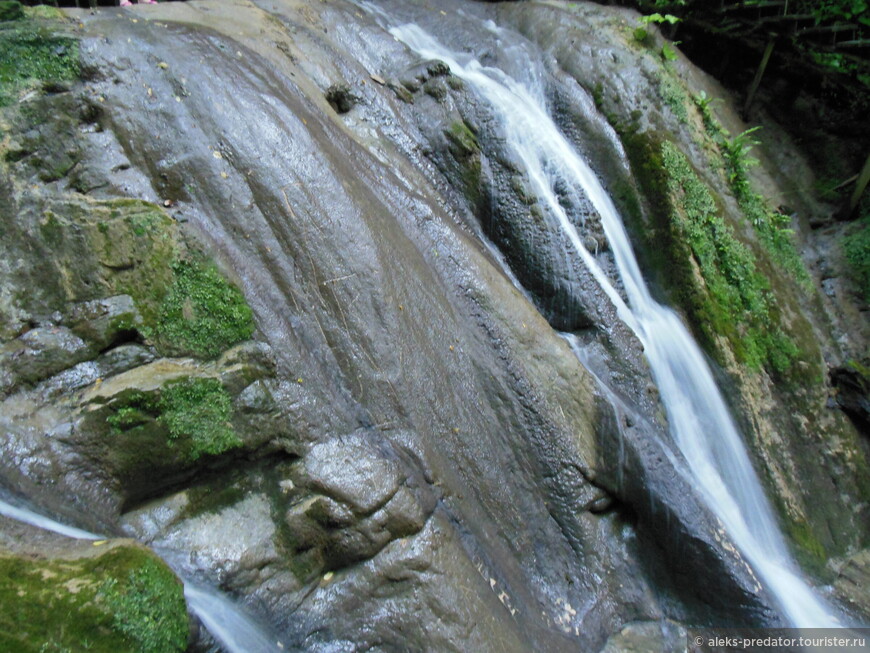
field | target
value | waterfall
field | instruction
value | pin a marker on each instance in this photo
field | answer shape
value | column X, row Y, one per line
column 700, row 422
column 228, row 624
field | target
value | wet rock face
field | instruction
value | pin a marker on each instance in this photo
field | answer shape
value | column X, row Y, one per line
column 468, row 147
column 389, row 442
column 354, row 496
column 853, row 392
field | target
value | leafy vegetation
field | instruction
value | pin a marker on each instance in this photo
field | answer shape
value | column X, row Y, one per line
column 738, row 303
column 856, row 247
column 33, row 54
column 199, row 410
column 772, row 227
column 11, row 10
column 202, row 313
column 641, row 33
column 146, row 608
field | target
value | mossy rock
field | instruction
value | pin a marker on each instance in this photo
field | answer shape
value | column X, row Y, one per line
column 89, row 250
column 465, row 151
column 122, row 599
column 169, row 427
column 202, row 313
column 32, row 54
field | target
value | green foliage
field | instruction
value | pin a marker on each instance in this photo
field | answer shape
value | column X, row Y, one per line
column 659, row 18
column 738, row 302
column 856, row 247
column 135, row 409
column 641, row 33
column 198, row 411
column 31, row 53
column 772, row 227
column 146, row 608
column 202, row 313
column 673, row 96
column 840, row 10
column 11, row 10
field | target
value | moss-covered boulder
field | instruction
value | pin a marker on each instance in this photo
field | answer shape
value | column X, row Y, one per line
column 33, row 53
column 101, row 597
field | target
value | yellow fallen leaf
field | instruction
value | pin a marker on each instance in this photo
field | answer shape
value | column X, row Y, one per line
column 224, row 175
column 163, row 65
column 217, row 155
column 99, row 542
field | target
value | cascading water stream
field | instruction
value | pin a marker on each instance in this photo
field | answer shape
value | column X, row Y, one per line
column 699, row 419
column 230, row 626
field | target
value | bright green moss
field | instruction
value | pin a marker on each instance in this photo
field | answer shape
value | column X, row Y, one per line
column 146, row 606
column 808, row 550
column 32, row 54
column 197, row 412
column 202, row 314
column 674, row 96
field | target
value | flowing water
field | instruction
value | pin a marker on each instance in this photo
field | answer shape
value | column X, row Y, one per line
column 699, row 419
column 229, row 625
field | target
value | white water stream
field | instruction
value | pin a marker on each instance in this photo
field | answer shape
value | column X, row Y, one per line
column 229, row 625
column 699, row 419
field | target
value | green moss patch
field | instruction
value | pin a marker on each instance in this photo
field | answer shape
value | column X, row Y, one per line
column 673, row 95
column 202, row 313
column 122, row 600
column 199, row 411
column 95, row 249
column 738, row 303
column 465, row 149
column 189, row 418
column 145, row 607
column 32, row 54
